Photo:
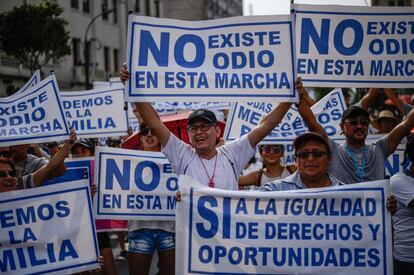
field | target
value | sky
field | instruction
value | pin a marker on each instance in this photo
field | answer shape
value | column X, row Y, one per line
column 267, row 7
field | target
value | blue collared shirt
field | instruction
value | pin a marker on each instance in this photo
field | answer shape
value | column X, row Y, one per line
column 292, row 182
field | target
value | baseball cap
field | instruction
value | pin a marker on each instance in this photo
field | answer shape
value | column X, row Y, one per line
column 354, row 111
column 202, row 114
column 303, row 138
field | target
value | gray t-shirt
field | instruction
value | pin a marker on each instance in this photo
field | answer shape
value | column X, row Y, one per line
column 359, row 165
column 30, row 165
column 402, row 186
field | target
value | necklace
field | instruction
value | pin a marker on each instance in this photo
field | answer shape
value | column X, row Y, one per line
column 210, row 180
column 359, row 164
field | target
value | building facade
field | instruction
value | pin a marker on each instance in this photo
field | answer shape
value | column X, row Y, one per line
column 106, row 36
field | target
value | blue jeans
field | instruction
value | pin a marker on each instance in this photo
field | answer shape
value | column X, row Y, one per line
column 146, row 241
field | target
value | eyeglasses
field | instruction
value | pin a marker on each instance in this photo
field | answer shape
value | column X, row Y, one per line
column 5, row 154
column 4, row 174
column 315, row 154
column 355, row 122
column 272, row 148
column 203, row 127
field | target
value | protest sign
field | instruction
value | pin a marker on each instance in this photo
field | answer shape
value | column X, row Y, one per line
column 96, row 113
column 224, row 59
column 342, row 46
column 34, row 116
column 132, row 120
column 134, row 185
column 395, row 162
column 48, row 230
column 166, row 108
column 83, row 168
column 76, row 169
column 243, row 117
column 335, row 230
column 34, row 79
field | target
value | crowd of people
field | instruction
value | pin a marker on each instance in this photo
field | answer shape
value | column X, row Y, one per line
column 320, row 162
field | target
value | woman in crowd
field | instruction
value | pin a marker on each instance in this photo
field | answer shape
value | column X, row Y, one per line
column 147, row 236
column 272, row 169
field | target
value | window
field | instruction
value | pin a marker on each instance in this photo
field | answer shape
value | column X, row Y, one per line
column 86, row 6
column 157, row 8
column 104, row 8
column 76, row 48
column 115, row 12
column 137, row 6
column 107, row 59
column 116, row 60
column 74, row 4
column 147, row 8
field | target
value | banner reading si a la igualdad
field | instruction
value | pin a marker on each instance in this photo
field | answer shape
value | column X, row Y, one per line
column 336, row 230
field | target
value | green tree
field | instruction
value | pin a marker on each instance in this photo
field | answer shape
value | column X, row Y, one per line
column 34, row 34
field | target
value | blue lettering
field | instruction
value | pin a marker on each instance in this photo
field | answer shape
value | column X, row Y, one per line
column 179, row 51
column 160, row 54
column 209, row 215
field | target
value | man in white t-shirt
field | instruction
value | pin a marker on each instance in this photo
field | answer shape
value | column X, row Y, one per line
column 214, row 167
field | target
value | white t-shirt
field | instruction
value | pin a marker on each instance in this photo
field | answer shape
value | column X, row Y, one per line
column 402, row 187
column 231, row 159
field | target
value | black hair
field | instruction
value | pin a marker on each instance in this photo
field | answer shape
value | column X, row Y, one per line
column 143, row 128
column 10, row 163
column 409, row 149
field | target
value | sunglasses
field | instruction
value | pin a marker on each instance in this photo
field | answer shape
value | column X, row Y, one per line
column 4, row 174
column 5, row 154
column 355, row 122
column 272, row 149
column 315, row 154
column 202, row 127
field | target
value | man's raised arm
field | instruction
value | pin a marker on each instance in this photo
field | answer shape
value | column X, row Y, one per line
column 268, row 123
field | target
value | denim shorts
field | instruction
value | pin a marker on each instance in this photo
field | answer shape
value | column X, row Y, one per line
column 146, row 241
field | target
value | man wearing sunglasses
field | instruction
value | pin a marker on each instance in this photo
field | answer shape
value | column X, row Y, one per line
column 355, row 161
column 313, row 157
column 211, row 166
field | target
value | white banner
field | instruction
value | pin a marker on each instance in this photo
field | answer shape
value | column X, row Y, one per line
column 96, row 113
column 48, row 230
column 342, row 46
column 224, row 59
column 395, row 162
column 336, row 230
column 132, row 120
column 34, row 79
column 165, row 108
column 243, row 117
column 33, row 116
column 134, row 185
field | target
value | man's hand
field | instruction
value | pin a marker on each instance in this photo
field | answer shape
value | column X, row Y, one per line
column 392, row 204
column 124, row 75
